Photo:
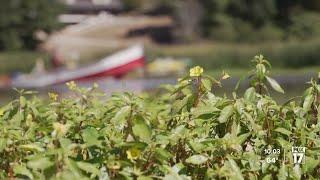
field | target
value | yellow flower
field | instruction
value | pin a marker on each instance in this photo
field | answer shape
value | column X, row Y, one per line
column 196, row 71
column 53, row 96
column 71, row 85
column 133, row 153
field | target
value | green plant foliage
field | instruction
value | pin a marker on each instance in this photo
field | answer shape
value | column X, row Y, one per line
column 187, row 132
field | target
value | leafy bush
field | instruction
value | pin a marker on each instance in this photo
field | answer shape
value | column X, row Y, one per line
column 185, row 133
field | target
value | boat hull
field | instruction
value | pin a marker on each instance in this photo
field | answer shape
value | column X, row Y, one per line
column 115, row 65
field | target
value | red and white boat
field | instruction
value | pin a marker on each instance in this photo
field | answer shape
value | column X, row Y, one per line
column 115, row 65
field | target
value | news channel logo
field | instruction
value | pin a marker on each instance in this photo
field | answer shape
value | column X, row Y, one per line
column 298, row 155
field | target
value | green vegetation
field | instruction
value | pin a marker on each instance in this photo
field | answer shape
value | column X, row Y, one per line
column 19, row 20
column 19, row 61
column 292, row 54
column 186, row 132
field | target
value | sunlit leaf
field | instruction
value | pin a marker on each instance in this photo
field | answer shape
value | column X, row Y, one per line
column 32, row 147
column 275, row 85
column 225, row 114
column 283, row 131
column 250, row 94
column 307, row 103
column 90, row 136
column 197, row 159
column 88, row 167
column 141, row 129
column 40, row 163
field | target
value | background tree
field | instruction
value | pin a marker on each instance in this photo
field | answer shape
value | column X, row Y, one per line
column 19, row 19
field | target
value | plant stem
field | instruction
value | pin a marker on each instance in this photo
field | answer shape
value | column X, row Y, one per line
column 129, row 123
column 197, row 93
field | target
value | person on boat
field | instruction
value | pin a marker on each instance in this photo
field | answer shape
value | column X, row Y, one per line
column 39, row 67
column 56, row 59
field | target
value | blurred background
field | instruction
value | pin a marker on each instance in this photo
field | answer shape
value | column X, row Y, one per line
column 62, row 40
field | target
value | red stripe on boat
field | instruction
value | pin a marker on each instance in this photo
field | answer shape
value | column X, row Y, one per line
column 115, row 72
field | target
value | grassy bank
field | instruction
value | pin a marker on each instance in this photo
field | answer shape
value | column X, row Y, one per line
column 220, row 55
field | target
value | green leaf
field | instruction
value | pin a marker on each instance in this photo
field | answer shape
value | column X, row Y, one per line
column 261, row 70
column 197, row 146
column 104, row 174
column 197, row 159
column 120, row 118
column 90, row 136
column 3, row 144
column 16, row 120
column 22, row 170
column 72, row 166
column 180, row 88
column 300, row 122
column 284, row 143
column 88, row 167
column 141, row 128
column 177, row 133
column 162, row 154
column 239, row 82
column 283, row 173
column 174, row 173
column 283, row 131
column 310, row 165
column 235, row 170
column 250, row 94
column 179, row 104
column 203, row 110
column 66, row 174
column 40, row 163
column 34, row 110
column 318, row 86
column 144, row 178
column 175, row 176
column 307, row 103
column 243, row 137
column 275, row 85
column 23, row 101
column 65, row 143
column 207, row 83
column 225, row 114
column 138, row 145
column 32, row 147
